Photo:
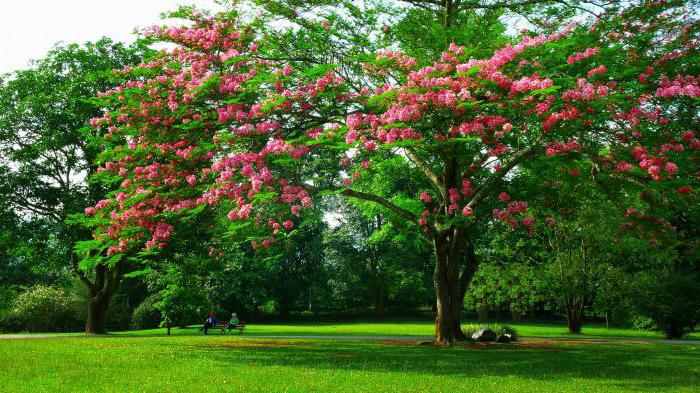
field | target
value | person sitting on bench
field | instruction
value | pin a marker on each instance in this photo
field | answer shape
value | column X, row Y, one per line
column 210, row 322
column 233, row 322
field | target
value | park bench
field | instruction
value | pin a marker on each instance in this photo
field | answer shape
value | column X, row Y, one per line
column 223, row 325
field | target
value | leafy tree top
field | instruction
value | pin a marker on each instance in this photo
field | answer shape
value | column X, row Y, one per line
column 217, row 122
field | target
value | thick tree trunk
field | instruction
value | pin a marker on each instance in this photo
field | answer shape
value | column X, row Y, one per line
column 454, row 268
column 97, row 309
column 100, row 290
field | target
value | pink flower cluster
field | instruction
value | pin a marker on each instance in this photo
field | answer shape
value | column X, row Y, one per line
column 654, row 164
column 508, row 214
column 401, row 60
column 681, row 86
column 598, row 70
column 530, row 83
column 567, row 114
column 578, row 56
column 585, row 91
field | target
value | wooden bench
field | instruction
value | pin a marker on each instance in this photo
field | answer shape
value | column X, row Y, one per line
column 224, row 325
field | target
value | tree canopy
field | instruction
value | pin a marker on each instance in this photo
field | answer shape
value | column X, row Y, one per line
column 217, row 123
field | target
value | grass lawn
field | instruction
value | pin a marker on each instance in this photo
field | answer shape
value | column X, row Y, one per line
column 225, row 363
column 414, row 329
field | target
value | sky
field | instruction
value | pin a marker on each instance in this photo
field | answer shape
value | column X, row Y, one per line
column 29, row 28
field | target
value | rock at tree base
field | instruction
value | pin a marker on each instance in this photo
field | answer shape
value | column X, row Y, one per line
column 505, row 338
column 484, row 335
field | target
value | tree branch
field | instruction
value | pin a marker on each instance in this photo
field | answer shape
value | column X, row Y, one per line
column 515, row 159
column 510, row 5
column 81, row 275
column 380, row 201
column 423, row 166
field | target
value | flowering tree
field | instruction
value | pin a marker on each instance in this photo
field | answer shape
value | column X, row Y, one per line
column 216, row 123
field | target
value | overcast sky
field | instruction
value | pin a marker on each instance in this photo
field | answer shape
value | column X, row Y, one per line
column 29, row 28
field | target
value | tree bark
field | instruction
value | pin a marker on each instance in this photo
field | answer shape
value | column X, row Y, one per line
column 483, row 311
column 454, row 268
column 100, row 291
column 97, row 309
column 378, row 301
column 516, row 316
column 574, row 315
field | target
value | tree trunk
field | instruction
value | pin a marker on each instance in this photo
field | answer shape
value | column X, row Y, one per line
column 483, row 311
column 454, row 268
column 574, row 315
column 515, row 315
column 378, row 302
column 100, row 290
column 97, row 308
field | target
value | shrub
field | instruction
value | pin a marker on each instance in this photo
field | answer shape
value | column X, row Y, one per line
column 670, row 298
column 146, row 315
column 42, row 308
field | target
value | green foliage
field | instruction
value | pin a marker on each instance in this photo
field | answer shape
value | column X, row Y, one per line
column 41, row 309
column 372, row 262
column 671, row 299
column 372, row 258
column 7, row 296
column 45, row 156
column 424, row 35
column 146, row 315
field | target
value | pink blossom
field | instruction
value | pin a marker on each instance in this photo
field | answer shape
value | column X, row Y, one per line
column 530, row 83
column 454, row 195
column 622, row 166
column 681, row 86
column 582, row 55
column 467, row 189
column 671, row 169
column 598, row 70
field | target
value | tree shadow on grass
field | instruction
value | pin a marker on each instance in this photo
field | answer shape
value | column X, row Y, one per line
column 633, row 367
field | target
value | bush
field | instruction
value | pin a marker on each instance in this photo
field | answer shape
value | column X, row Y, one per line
column 499, row 328
column 670, row 298
column 146, row 315
column 42, row 308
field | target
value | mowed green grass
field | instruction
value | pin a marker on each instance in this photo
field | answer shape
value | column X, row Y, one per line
column 233, row 363
column 414, row 329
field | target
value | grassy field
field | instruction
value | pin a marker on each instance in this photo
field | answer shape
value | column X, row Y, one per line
column 226, row 363
column 414, row 329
